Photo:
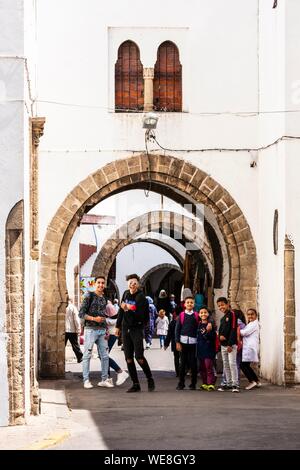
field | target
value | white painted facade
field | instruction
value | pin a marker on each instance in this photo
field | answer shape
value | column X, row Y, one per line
column 237, row 61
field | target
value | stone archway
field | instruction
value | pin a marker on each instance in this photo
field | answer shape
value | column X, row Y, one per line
column 157, row 268
column 132, row 173
column 156, row 221
column 165, row 246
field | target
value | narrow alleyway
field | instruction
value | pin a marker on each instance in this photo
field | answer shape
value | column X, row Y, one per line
column 265, row 418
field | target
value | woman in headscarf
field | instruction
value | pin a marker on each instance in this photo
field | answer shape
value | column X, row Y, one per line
column 163, row 303
column 150, row 327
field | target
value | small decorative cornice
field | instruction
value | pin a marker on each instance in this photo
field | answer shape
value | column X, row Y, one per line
column 37, row 124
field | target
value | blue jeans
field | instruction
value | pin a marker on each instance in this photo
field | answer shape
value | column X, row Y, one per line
column 112, row 364
column 92, row 336
column 162, row 339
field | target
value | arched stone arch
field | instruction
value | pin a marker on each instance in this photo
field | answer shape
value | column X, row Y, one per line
column 132, row 173
column 156, row 268
column 165, row 246
column 157, row 221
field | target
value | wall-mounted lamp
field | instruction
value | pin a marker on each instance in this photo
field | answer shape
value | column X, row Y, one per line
column 150, row 121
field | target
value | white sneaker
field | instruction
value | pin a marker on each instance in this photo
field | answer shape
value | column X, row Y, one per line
column 251, row 385
column 105, row 383
column 121, row 377
column 148, row 346
column 258, row 384
column 87, row 384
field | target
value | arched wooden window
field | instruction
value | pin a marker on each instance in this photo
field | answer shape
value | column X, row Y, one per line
column 129, row 83
column 167, row 88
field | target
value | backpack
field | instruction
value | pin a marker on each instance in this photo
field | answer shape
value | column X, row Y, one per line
column 181, row 317
column 217, row 343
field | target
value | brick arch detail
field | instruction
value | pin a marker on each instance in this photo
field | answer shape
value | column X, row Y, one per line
column 118, row 176
column 165, row 246
column 162, row 221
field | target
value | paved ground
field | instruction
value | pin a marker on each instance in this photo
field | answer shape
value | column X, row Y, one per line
column 265, row 418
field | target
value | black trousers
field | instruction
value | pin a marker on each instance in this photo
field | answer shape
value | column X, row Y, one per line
column 133, row 343
column 188, row 360
column 249, row 372
column 177, row 362
column 73, row 338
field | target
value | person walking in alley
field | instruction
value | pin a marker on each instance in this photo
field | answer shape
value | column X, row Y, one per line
column 73, row 329
column 150, row 327
column 228, row 340
column 250, row 335
column 93, row 316
column 162, row 325
column 163, row 303
column 186, row 341
column 132, row 318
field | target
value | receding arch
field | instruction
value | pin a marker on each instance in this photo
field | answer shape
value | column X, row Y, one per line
column 157, row 221
column 167, row 86
column 163, row 266
column 164, row 246
column 132, row 173
column 129, row 82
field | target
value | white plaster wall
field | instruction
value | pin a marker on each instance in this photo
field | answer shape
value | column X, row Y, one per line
column 218, row 78
column 11, row 152
column 278, row 168
column 139, row 258
column 272, row 71
column 292, row 35
column 271, row 275
column 271, row 190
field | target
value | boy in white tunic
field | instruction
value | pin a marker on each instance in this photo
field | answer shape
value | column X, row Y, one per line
column 250, row 335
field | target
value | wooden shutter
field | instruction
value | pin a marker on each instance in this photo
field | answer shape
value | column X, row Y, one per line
column 129, row 82
column 167, row 88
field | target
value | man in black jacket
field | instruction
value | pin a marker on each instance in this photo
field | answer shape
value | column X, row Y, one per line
column 132, row 318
